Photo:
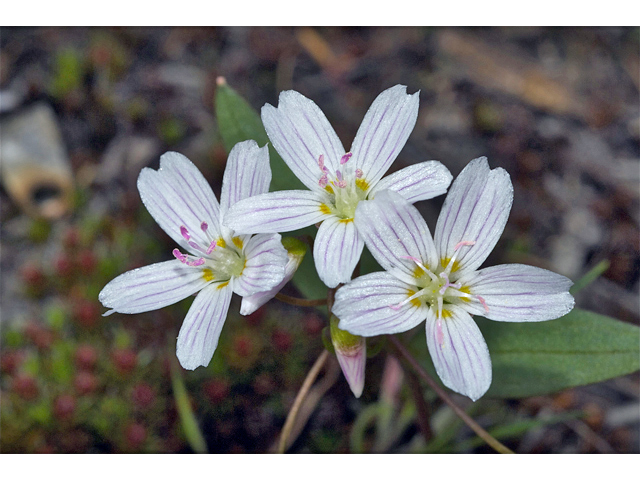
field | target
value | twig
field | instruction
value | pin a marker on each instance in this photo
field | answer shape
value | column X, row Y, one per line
column 304, row 389
column 481, row 432
column 309, row 404
column 300, row 302
column 421, row 406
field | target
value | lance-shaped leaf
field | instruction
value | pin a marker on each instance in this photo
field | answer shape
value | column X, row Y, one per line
column 541, row 358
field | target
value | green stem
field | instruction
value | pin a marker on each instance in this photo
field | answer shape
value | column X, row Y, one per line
column 422, row 373
column 300, row 302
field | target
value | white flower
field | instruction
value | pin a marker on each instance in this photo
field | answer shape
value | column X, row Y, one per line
column 440, row 281
column 337, row 181
column 219, row 263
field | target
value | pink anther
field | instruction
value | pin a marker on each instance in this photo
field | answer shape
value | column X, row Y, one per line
column 359, row 173
column 179, row 255
column 396, row 307
column 204, row 226
column 184, row 232
column 484, row 304
column 341, row 183
column 345, row 158
column 466, row 243
column 414, row 259
column 323, row 181
column 321, row 164
column 184, row 259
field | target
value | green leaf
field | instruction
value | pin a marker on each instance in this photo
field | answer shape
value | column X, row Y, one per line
column 187, row 418
column 237, row 122
column 580, row 348
column 544, row 357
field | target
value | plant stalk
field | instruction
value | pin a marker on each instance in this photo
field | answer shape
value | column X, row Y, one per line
column 422, row 373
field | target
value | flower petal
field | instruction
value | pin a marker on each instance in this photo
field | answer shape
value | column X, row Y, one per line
column 476, row 209
column 151, row 287
column 247, row 174
column 519, row 293
column 336, row 250
column 417, row 182
column 264, row 268
column 393, row 230
column 200, row 331
column 277, row 212
column 251, row 303
column 178, row 195
column 367, row 306
column 300, row 133
column 459, row 353
column 384, row 131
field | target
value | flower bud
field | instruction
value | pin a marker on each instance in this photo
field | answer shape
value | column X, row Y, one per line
column 351, row 351
column 295, row 251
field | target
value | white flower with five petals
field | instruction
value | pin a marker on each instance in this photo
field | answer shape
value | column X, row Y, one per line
column 338, row 181
column 219, row 262
column 439, row 280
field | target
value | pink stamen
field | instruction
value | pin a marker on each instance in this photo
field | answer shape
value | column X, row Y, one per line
column 359, row 173
column 484, row 304
column 448, row 284
column 184, row 232
column 204, row 226
column 184, row 259
column 323, row 181
column 345, row 158
column 212, row 247
column 466, row 243
column 321, row 164
column 179, row 255
column 341, row 182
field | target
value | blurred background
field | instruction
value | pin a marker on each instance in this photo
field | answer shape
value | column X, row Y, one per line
column 83, row 110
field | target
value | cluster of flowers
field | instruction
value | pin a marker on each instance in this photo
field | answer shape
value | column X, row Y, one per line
column 235, row 245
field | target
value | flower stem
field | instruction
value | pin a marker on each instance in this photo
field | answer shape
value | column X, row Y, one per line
column 304, row 389
column 421, row 406
column 300, row 302
column 481, row 432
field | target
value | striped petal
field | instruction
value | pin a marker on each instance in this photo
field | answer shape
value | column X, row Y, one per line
column 417, row 182
column 200, row 331
column 384, row 131
column 300, row 133
column 264, row 267
column 336, row 250
column 247, row 174
column 277, row 212
column 519, row 293
column 178, row 195
column 475, row 210
column 459, row 353
column 393, row 230
column 251, row 303
column 368, row 306
column 151, row 287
